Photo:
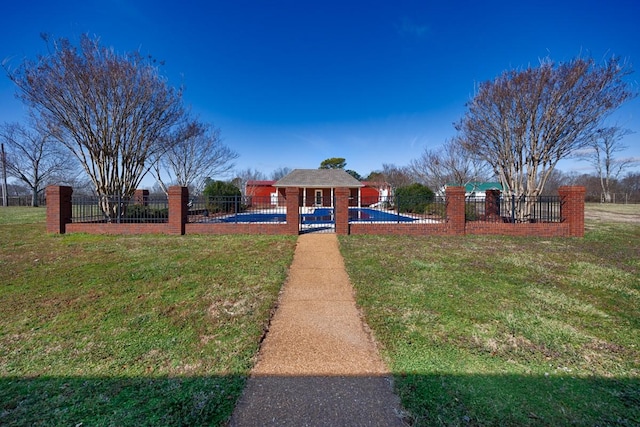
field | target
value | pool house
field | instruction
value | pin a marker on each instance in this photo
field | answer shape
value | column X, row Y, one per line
column 316, row 187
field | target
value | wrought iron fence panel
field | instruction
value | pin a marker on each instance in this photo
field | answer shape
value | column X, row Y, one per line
column 394, row 209
column 513, row 209
column 119, row 209
column 237, row 209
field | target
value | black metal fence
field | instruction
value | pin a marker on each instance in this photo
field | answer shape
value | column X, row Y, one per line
column 237, row 209
column 395, row 209
column 254, row 209
column 513, row 209
column 617, row 198
column 24, row 200
column 119, row 209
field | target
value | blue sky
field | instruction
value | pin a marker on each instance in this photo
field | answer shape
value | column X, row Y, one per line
column 291, row 83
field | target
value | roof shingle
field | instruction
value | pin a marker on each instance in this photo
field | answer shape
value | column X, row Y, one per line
column 318, row 178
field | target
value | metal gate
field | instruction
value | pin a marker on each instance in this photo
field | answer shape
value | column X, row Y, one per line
column 317, row 218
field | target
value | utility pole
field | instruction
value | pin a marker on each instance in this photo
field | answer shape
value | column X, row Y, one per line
column 5, row 199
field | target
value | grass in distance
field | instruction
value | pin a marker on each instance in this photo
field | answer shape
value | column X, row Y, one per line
column 22, row 215
column 138, row 330
column 506, row 331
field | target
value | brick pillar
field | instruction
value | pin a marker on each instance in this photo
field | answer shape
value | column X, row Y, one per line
column 492, row 204
column 141, row 197
column 58, row 208
column 455, row 210
column 341, row 210
column 178, row 209
column 292, row 201
column 572, row 208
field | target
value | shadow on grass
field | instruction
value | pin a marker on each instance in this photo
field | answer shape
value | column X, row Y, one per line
column 60, row 401
column 519, row 400
column 429, row 399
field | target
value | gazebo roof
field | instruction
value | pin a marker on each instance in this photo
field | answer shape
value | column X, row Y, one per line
column 318, row 178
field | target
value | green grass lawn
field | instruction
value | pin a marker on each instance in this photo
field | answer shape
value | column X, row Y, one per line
column 507, row 331
column 162, row 330
column 22, row 215
column 137, row 330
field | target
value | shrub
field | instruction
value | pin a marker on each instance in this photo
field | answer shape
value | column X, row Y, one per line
column 413, row 198
column 222, row 196
column 470, row 213
column 140, row 213
column 436, row 209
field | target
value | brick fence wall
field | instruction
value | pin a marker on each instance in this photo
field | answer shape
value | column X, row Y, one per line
column 573, row 208
column 59, row 214
column 58, row 208
column 571, row 224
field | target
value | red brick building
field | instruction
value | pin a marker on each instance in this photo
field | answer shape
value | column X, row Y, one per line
column 263, row 191
column 317, row 188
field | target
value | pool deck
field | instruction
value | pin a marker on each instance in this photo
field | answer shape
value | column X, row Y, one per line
column 318, row 364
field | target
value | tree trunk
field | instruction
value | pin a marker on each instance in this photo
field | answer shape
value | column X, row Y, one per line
column 34, row 197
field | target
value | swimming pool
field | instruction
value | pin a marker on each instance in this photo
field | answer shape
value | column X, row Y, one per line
column 374, row 215
column 320, row 216
column 255, row 217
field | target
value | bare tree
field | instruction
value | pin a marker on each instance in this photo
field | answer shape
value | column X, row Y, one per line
column 524, row 122
column 243, row 176
column 601, row 155
column 631, row 186
column 16, row 194
column 113, row 111
column 192, row 158
column 555, row 180
column 397, row 176
column 3, row 183
column 280, row 173
column 33, row 158
column 589, row 182
column 451, row 164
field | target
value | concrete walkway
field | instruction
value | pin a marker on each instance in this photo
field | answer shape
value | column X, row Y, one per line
column 317, row 365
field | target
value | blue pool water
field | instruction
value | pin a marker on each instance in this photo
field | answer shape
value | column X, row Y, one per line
column 256, row 217
column 321, row 216
column 366, row 214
